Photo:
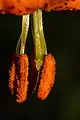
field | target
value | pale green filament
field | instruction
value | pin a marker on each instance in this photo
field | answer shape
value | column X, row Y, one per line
column 41, row 32
column 22, row 40
column 38, row 36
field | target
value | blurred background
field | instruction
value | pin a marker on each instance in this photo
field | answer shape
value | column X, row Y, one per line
column 62, row 33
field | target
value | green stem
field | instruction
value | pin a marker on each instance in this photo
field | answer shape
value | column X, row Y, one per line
column 23, row 36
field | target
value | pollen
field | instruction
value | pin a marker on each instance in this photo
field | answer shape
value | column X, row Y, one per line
column 22, row 79
column 47, row 77
column 12, row 73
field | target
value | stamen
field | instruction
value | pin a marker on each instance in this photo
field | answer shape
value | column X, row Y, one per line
column 47, row 77
column 12, row 73
column 22, row 82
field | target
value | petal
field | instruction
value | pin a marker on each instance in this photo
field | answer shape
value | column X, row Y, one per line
column 21, row 7
column 62, row 5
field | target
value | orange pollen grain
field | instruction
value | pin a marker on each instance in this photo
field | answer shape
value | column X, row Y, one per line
column 12, row 73
column 22, row 83
column 47, row 77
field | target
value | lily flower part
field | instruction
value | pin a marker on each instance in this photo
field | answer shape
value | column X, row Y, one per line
column 22, row 78
column 18, row 74
column 18, row 77
column 45, row 64
column 12, row 73
column 47, row 77
column 21, row 7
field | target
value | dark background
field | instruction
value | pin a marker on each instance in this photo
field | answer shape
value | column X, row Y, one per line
column 62, row 33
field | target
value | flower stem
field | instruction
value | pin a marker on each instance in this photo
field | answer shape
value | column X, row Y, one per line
column 20, row 48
